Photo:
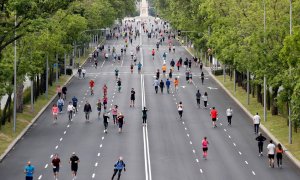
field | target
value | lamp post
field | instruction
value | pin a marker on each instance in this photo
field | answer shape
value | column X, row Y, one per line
column 265, row 79
column 15, row 79
column 291, row 32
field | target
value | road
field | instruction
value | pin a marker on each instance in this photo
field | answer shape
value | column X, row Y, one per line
column 167, row 148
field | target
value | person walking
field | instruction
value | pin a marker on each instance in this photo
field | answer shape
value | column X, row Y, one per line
column 74, row 161
column 214, row 116
column 70, row 110
column 132, row 97
column 29, row 171
column 161, row 85
column 205, row 147
column 271, row 153
column 87, row 109
column 118, row 167
column 198, row 98
column 75, row 101
column 120, row 121
column 60, row 104
column 260, row 139
column 229, row 113
column 54, row 113
column 205, row 99
column 105, row 120
column 114, row 112
column 144, row 117
column 256, row 122
column 202, row 77
column 180, row 109
column 55, row 165
column 279, row 153
column 156, row 84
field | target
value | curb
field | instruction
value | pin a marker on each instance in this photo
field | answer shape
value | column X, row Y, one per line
column 16, row 140
column 262, row 127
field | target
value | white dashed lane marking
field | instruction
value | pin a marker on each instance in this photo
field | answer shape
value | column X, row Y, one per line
column 96, row 164
column 234, row 144
column 46, row 166
column 56, row 146
column 93, row 176
column 201, row 171
column 100, row 146
column 98, row 154
column 253, row 173
column 60, row 139
column 40, row 177
column 246, row 162
column 65, row 132
column 240, row 153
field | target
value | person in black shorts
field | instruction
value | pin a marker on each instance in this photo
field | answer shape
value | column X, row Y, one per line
column 55, row 164
column 132, row 98
column 144, row 117
column 74, row 160
column 120, row 121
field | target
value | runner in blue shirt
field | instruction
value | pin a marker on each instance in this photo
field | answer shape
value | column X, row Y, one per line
column 168, row 83
column 118, row 167
column 29, row 170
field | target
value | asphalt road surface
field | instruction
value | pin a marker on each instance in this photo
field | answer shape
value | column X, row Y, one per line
column 167, row 148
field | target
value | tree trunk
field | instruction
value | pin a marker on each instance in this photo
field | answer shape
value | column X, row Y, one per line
column 4, row 112
column 268, row 99
column 274, row 107
column 19, row 97
column 259, row 94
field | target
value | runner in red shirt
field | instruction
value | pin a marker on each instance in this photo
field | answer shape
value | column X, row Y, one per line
column 153, row 54
column 92, row 84
column 214, row 115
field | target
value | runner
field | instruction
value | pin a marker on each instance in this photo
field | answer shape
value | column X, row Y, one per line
column 64, row 92
column 190, row 77
column 202, row 78
column 83, row 73
column 172, row 63
column 171, row 73
column 92, row 84
column 79, row 72
column 176, row 83
column 105, row 101
column 99, row 107
column 168, row 83
column 105, row 120
column 205, row 147
column 178, row 65
column 187, row 76
column 119, row 85
column 118, row 167
column 164, row 69
column 58, row 91
column 114, row 113
column 180, row 109
column 144, row 117
column 74, row 160
column 214, row 115
column 117, row 73
column 229, row 113
column 153, row 54
column 174, row 49
column 260, row 138
column 60, row 104
column 120, row 121
column 162, row 85
column 279, row 153
column 205, row 99
column 75, row 101
column 164, row 56
column 104, row 89
column 87, row 110
column 139, row 67
column 70, row 110
column 271, row 153
column 55, row 165
column 29, row 171
column 157, row 74
column 256, row 122
column 201, row 65
column 54, row 113
column 156, row 84
column 198, row 97
column 132, row 97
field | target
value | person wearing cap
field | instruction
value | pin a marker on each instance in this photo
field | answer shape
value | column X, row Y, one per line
column 29, row 171
column 118, row 167
column 74, row 160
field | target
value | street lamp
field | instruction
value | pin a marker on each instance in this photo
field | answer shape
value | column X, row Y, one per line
column 291, row 32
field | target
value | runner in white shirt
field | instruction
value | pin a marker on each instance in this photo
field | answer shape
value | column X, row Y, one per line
column 271, row 153
column 229, row 113
column 256, row 122
column 70, row 110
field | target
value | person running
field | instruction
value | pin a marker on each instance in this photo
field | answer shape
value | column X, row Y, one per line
column 79, row 72
column 118, row 167
column 260, row 139
column 58, row 91
column 172, row 63
column 92, row 84
column 99, row 107
column 64, row 92
column 75, row 101
column 190, row 77
column 104, row 89
column 105, row 101
column 164, row 69
column 120, row 121
column 164, row 55
column 168, row 83
column 279, row 153
column 214, row 115
column 144, row 117
column 202, row 78
column 119, row 85
column 201, row 66
column 60, row 104
column 70, row 110
column 153, row 54
column 229, row 113
column 132, row 97
column 156, row 84
column 131, row 68
column 198, row 97
column 173, row 49
column 271, row 153
column 96, row 62
column 105, row 121
column 29, row 171
column 205, row 99
column 114, row 112
column 187, row 76
column 157, row 74
column 171, row 73
column 117, row 73
column 74, row 161
column 205, row 147
column 256, row 122
column 180, row 109
column 176, row 83
column 54, row 113
column 87, row 110
column 178, row 64
column 162, row 85
column 139, row 67
column 55, row 165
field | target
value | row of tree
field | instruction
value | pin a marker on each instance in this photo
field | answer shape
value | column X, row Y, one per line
column 46, row 31
column 237, row 34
